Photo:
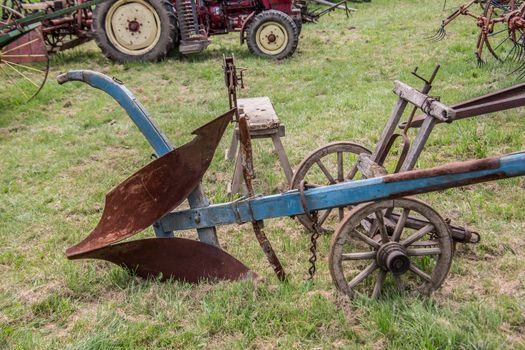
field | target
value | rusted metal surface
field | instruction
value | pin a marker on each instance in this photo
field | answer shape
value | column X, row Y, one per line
column 155, row 190
column 249, row 174
column 500, row 22
column 173, row 258
column 313, row 217
column 233, row 78
column 448, row 169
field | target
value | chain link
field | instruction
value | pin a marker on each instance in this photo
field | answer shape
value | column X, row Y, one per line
column 313, row 247
column 312, row 216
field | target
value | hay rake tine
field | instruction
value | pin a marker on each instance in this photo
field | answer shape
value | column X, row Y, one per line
column 516, row 52
column 439, row 35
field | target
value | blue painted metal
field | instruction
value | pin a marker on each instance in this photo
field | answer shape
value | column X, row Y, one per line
column 156, row 138
column 126, row 100
column 343, row 194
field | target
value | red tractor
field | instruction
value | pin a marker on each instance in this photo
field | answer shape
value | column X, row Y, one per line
column 138, row 30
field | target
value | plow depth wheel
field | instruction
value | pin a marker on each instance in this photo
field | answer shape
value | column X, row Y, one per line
column 272, row 34
column 135, row 30
column 328, row 165
column 24, row 64
column 389, row 254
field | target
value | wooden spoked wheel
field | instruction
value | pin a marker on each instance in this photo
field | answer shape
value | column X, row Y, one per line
column 328, row 165
column 390, row 253
column 24, row 64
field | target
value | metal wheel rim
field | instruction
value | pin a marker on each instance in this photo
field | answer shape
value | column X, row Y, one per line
column 268, row 31
column 345, row 236
column 120, row 25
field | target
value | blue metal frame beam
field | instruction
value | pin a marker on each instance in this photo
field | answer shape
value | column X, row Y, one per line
column 348, row 193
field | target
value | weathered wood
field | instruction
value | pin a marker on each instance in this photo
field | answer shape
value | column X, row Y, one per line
column 369, row 168
column 429, row 105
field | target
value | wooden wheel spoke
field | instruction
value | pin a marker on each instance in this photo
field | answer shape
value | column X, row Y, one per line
column 325, row 171
column 341, row 212
column 362, row 275
column 324, row 216
column 382, row 227
column 373, row 228
column 379, row 284
column 340, row 170
column 359, row 256
column 353, row 171
column 399, row 283
column 366, row 239
column 400, row 225
column 418, row 235
column 423, row 252
column 423, row 275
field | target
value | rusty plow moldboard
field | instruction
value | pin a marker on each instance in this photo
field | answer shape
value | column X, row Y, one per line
column 147, row 196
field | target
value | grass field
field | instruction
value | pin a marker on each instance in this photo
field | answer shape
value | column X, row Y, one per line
column 61, row 152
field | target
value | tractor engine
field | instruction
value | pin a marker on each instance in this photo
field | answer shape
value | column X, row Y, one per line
column 222, row 17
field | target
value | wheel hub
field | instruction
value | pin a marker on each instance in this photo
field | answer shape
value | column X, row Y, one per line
column 133, row 26
column 392, row 257
column 272, row 38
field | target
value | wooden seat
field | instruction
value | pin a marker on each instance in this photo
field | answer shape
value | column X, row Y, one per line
column 264, row 123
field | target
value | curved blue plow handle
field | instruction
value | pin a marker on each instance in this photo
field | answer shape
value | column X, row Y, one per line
column 156, row 138
column 116, row 89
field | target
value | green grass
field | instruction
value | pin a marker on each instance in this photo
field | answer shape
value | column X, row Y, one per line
column 62, row 151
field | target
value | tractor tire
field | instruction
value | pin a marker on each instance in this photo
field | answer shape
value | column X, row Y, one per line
column 299, row 24
column 135, row 30
column 272, row 34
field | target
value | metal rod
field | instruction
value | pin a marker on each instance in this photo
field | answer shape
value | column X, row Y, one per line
column 249, row 175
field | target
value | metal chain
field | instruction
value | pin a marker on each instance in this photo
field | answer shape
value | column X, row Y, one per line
column 312, row 216
column 313, row 247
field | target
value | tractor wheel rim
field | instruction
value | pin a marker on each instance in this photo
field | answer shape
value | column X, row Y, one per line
column 133, row 27
column 272, row 38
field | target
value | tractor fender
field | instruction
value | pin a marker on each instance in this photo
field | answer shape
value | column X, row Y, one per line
column 243, row 27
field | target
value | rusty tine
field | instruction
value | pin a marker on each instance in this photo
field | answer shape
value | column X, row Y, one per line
column 479, row 60
column 438, row 35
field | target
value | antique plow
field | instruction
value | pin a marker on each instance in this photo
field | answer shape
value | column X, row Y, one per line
column 370, row 246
